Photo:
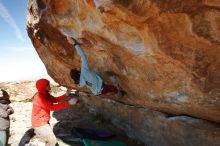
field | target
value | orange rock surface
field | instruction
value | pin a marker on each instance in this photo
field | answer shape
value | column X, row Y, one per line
column 164, row 54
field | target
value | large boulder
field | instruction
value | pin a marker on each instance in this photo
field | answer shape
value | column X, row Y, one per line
column 163, row 54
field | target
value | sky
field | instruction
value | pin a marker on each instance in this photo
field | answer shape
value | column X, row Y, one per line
column 18, row 58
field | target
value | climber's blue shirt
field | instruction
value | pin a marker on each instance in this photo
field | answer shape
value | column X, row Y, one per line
column 88, row 77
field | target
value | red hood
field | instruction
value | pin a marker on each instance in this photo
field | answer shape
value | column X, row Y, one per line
column 41, row 85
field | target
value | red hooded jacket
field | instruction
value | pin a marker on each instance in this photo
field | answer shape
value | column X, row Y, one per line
column 43, row 103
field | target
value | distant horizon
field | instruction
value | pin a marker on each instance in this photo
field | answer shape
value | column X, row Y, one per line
column 26, row 79
column 21, row 64
column 22, row 68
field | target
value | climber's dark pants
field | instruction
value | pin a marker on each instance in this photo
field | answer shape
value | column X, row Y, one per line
column 109, row 89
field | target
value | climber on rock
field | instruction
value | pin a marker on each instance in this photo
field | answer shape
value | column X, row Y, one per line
column 87, row 77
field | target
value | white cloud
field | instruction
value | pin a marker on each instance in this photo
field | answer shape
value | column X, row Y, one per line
column 22, row 48
column 22, row 64
column 29, row 70
column 4, row 13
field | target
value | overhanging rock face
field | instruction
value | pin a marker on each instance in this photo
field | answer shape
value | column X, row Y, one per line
column 164, row 54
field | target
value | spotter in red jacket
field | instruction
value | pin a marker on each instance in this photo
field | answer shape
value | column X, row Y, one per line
column 43, row 103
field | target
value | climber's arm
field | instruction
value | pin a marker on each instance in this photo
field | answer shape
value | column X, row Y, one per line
column 84, row 64
column 83, row 57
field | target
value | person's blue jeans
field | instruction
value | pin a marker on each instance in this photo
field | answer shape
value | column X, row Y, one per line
column 3, row 138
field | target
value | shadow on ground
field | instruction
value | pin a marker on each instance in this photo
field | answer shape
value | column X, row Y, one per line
column 78, row 116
